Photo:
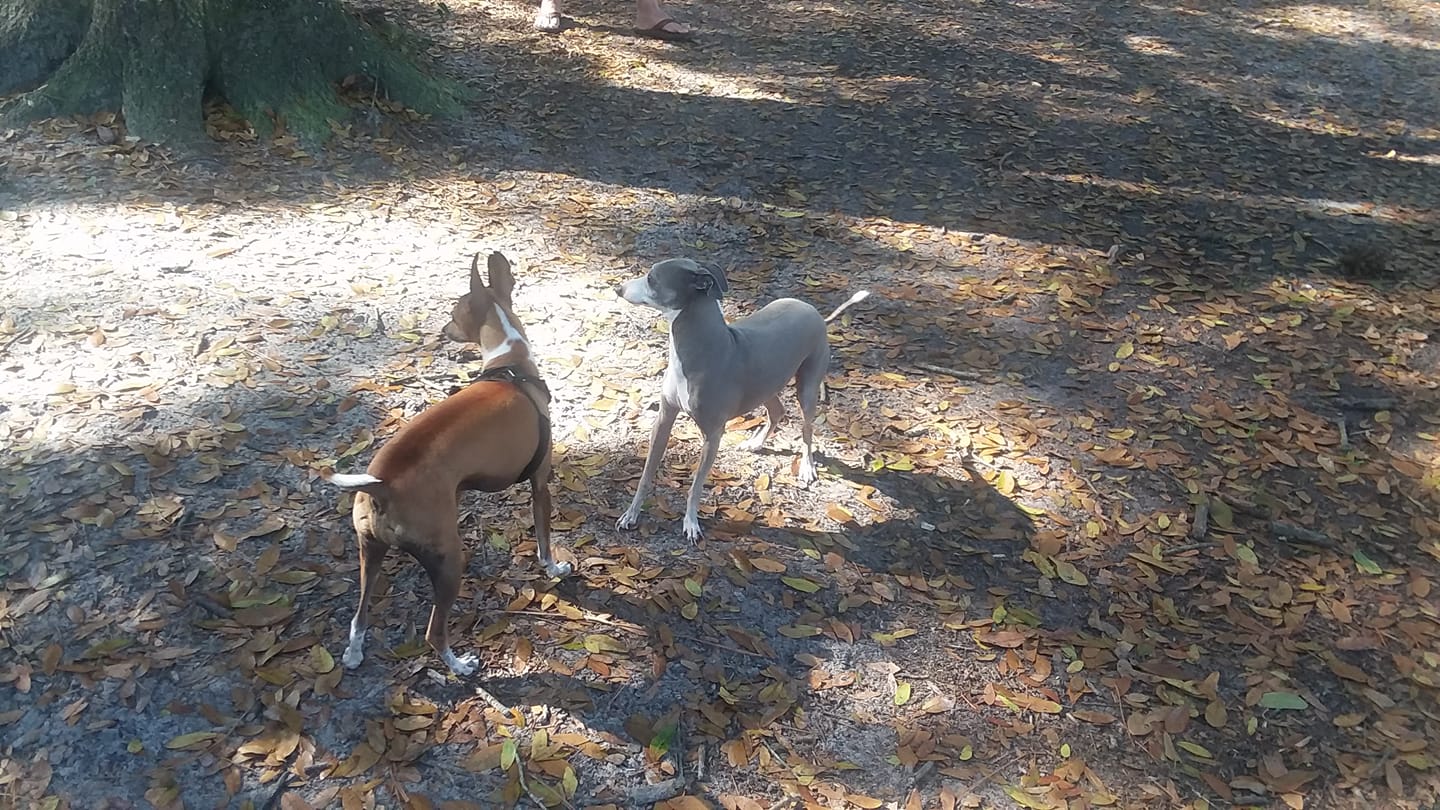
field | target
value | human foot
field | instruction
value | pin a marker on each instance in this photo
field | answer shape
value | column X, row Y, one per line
column 549, row 19
column 651, row 20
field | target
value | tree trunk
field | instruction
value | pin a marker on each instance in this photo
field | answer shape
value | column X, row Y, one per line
column 274, row 61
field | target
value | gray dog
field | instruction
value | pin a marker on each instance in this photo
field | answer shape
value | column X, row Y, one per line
column 719, row 371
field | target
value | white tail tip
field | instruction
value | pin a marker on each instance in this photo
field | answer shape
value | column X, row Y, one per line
column 854, row 299
column 353, row 481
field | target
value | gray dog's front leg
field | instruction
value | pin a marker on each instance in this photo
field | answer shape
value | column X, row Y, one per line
column 659, row 436
column 691, row 523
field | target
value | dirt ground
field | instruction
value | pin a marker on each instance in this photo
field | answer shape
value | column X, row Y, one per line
column 1128, row 494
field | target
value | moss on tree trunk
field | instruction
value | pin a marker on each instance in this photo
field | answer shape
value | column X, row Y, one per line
column 154, row 60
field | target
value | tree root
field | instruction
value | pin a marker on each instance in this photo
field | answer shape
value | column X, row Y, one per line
column 276, row 61
column 36, row 38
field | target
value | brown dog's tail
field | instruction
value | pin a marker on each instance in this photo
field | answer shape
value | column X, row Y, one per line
column 358, row 483
column 854, row 299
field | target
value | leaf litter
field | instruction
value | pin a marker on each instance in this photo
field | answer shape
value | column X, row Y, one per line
column 1128, row 493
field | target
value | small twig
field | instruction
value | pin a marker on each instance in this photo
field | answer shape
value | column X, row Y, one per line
column 986, row 777
column 920, row 773
column 212, row 607
column 646, row 795
column 1175, row 551
column 484, row 694
column 1344, row 433
column 1248, row 508
column 972, row 376
column 1300, row 534
column 525, row 786
column 1202, row 521
column 701, row 766
column 1369, row 403
column 585, row 617
column 16, row 338
column 720, row 645
column 281, row 786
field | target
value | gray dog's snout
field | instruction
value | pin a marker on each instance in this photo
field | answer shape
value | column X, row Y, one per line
column 620, row 290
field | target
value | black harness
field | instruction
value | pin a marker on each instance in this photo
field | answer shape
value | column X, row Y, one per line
column 519, row 380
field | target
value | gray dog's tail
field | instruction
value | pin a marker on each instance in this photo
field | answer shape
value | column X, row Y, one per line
column 854, row 299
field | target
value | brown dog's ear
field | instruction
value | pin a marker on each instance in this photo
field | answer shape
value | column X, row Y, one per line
column 476, row 285
column 711, row 282
column 501, row 281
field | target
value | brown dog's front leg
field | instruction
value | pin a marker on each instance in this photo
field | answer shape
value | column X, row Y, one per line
column 540, row 506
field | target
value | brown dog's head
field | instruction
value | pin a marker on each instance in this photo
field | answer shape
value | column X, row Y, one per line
column 483, row 315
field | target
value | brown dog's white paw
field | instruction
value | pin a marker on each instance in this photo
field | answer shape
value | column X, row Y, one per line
column 559, row 569
column 462, row 666
column 806, row 474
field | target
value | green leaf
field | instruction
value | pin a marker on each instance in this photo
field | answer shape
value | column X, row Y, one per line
column 509, row 752
column 1070, row 573
column 195, row 739
column 569, row 783
column 107, row 647
column 1247, row 554
column 800, row 584
column 599, row 643
column 1283, row 700
column 663, row 739
column 1365, row 564
column 1197, row 750
column 1222, row 514
column 902, row 693
column 692, row 586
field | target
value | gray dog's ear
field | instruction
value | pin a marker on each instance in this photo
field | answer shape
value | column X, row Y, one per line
column 712, row 282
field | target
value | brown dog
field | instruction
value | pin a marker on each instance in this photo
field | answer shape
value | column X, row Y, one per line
column 491, row 435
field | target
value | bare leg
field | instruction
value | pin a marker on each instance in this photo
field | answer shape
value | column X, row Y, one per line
column 691, row 522
column 549, row 18
column 649, row 13
column 774, row 412
column 444, row 568
column 659, row 436
column 372, row 555
column 540, row 505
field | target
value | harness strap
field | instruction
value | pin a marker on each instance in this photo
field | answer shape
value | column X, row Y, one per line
column 517, row 379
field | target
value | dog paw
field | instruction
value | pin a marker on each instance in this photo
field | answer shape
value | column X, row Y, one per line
column 629, row 520
column 807, row 475
column 559, row 569
column 353, row 656
column 462, row 666
column 752, row 444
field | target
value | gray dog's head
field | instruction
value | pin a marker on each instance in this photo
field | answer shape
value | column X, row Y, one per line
column 674, row 284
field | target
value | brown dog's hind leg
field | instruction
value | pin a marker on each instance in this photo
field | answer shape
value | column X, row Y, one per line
column 540, row 506
column 372, row 557
column 444, row 562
